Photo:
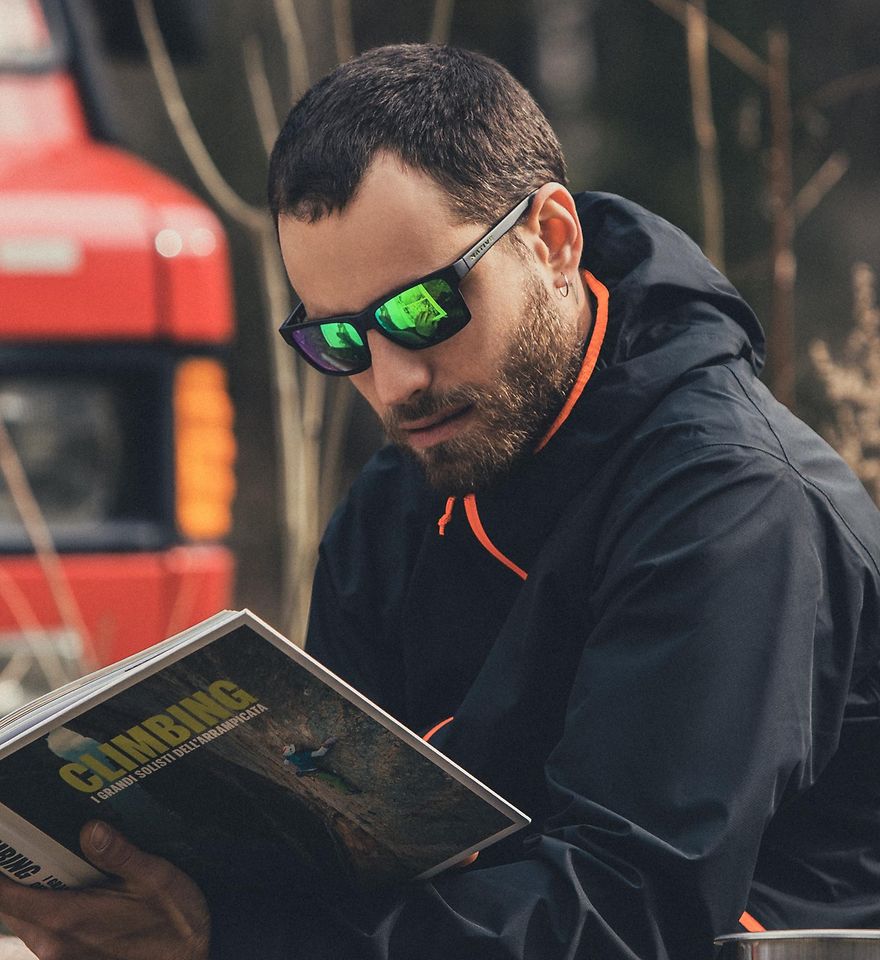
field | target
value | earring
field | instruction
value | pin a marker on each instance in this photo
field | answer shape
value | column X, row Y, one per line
column 564, row 293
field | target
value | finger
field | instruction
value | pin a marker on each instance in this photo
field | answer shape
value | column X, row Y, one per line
column 111, row 852
column 19, row 901
column 144, row 875
column 106, row 848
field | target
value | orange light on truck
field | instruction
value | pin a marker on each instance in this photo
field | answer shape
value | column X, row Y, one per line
column 204, row 449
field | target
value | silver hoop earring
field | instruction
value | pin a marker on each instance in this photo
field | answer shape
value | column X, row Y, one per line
column 564, row 293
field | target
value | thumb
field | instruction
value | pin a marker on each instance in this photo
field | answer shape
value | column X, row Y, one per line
column 108, row 849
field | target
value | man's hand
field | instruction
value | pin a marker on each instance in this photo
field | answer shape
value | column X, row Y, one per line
column 152, row 911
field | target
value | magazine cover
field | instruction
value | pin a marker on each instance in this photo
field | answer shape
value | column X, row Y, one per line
column 238, row 753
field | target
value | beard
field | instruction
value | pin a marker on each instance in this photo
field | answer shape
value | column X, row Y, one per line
column 511, row 413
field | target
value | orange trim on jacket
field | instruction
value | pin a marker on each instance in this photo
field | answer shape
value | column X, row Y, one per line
column 437, row 726
column 470, row 508
column 597, row 338
column 447, row 516
column 750, row 923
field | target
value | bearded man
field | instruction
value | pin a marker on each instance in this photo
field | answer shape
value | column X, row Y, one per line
column 630, row 591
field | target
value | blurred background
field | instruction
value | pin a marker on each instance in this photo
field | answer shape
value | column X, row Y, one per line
column 163, row 455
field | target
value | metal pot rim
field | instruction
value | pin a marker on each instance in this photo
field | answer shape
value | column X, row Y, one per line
column 802, row 935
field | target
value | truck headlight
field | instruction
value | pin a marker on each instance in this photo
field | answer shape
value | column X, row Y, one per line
column 67, row 434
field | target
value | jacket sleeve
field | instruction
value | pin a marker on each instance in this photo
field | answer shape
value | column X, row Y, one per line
column 689, row 719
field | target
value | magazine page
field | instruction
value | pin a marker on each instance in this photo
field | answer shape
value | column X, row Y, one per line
column 32, row 714
column 238, row 752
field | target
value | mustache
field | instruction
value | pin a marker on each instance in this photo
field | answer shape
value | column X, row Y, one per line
column 429, row 404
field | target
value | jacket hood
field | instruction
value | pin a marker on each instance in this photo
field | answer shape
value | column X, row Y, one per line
column 655, row 275
column 670, row 312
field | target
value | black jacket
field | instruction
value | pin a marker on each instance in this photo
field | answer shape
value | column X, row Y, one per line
column 684, row 691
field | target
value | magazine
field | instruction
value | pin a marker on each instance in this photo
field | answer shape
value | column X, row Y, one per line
column 227, row 745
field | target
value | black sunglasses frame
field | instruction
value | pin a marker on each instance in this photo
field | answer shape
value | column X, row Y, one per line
column 366, row 319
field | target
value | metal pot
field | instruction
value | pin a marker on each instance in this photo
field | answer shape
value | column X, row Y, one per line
column 801, row 945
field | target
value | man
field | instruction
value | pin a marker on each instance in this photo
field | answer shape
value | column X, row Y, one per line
column 303, row 760
column 631, row 592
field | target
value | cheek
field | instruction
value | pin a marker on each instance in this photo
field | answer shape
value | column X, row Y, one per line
column 497, row 300
column 483, row 344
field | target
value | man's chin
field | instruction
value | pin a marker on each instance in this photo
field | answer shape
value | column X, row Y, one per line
column 457, row 467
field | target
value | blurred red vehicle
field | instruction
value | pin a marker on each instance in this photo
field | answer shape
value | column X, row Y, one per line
column 115, row 309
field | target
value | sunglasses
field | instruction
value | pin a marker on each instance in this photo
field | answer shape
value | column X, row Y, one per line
column 416, row 316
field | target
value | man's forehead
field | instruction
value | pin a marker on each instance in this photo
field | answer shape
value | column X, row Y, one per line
column 397, row 227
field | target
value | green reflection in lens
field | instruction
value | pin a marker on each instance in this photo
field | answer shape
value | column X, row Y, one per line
column 341, row 336
column 414, row 309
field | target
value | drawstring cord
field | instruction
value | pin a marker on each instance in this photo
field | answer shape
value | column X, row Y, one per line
column 447, row 516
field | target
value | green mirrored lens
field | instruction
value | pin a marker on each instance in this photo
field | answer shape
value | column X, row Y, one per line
column 341, row 336
column 414, row 309
column 423, row 313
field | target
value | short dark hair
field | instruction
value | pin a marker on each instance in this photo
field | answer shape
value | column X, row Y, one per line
column 453, row 114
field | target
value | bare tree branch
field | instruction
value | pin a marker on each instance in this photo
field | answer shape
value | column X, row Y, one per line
column 295, row 46
column 340, row 399
column 781, row 339
column 343, row 32
column 45, row 654
column 823, row 180
column 722, row 40
column 178, row 112
column 441, row 22
column 293, row 467
column 844, row 87
column 261, row 92
column 704, row 131
column 40, row 536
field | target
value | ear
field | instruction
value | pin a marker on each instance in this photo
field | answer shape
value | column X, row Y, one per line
column 553, row 231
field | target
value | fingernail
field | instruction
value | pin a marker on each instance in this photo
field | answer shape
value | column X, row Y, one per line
column 101, row 837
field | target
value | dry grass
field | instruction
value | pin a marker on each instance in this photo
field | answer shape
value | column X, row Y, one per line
column 852, row 384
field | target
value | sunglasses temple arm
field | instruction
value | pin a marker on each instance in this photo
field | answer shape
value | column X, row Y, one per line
column 485, row 243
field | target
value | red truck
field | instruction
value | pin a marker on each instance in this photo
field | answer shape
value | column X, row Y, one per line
column 115, row 309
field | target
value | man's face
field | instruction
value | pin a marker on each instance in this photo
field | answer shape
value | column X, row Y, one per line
column 470, row 406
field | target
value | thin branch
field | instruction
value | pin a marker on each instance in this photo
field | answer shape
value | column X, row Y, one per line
column 823, row 180
column 289, row 432
column 704, row 131
column 844, row 87
column 441, row 23
column 337, row 421
column 295, row 46
column 343, row 31
column 261, row 92
column 722, row 40
column 178, row 112
column 781, row 341
column 45, row 654
column 314, row 403
column 40, row 536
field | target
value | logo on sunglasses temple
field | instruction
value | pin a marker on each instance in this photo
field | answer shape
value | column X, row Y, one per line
column 487, row 242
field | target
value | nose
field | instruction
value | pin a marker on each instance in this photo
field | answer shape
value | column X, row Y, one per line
column 398, row 374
